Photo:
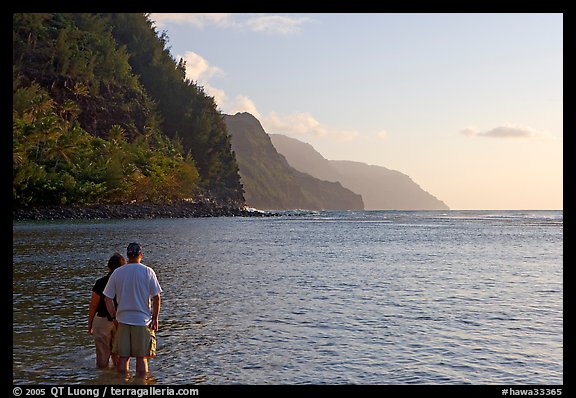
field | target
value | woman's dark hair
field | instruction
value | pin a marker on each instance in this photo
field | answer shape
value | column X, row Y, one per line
column 116, row 261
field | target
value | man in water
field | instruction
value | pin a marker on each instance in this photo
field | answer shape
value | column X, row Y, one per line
column 136, row 287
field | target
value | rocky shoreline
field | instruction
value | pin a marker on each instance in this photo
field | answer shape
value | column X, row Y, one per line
column 135, row 211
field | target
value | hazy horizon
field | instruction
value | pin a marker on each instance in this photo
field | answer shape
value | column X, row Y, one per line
column 470, row 106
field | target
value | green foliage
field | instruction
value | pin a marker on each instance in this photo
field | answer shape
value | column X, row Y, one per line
column 56, row 162
column 75, row 57
column 188, row 113
column 50, row 152
column 103, row 113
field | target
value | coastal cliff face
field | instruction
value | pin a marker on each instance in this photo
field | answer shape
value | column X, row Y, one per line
column 271, row 183
column 381, row 188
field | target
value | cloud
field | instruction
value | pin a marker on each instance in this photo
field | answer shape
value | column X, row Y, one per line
column 219, row 95
column 304, row 124
column 198, row 68
column 242, row 103
column 197, row 20
column 506, row 131
column 275, row 24
column 298, row 124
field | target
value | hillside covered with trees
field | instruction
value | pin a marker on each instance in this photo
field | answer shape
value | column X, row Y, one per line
column 102, row 113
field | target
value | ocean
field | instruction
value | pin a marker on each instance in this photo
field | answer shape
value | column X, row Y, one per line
column 355, row 297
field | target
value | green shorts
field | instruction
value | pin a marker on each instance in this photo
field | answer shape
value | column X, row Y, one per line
column 134, row 341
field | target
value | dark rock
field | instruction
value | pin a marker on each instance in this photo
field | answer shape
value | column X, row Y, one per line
column 183, row 209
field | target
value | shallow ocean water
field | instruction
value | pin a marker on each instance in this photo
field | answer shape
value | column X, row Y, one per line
column 373, row 297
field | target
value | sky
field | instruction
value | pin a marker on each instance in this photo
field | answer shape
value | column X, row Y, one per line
column 470, row 106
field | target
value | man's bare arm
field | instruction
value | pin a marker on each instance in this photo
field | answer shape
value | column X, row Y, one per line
column 155, row 312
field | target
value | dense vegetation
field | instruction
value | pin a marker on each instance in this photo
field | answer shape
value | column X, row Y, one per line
column 102, row 113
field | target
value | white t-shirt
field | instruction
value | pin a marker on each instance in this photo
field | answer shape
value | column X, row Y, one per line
column 133, row 285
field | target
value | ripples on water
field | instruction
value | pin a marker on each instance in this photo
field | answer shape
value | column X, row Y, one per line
column 307, row 298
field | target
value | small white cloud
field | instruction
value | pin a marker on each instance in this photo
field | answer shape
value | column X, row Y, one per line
column 242, row 103
column 304, row 124
column 507, row 131
column 297, row 123
column 510, row 131
column 219, row 95
column 277, row 24
column 198, row 68
column 199, row 20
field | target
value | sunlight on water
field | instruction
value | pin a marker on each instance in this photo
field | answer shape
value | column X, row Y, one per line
column 309, row 297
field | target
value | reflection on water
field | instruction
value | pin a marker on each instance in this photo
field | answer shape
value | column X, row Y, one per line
column 111, row 376
column 354, row 297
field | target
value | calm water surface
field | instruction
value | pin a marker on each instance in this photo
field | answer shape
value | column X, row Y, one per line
column 307, row 298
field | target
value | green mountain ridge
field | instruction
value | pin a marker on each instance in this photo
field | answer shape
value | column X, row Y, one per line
column 269, row 181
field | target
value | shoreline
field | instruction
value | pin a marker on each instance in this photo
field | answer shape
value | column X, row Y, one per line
column 135, row 211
